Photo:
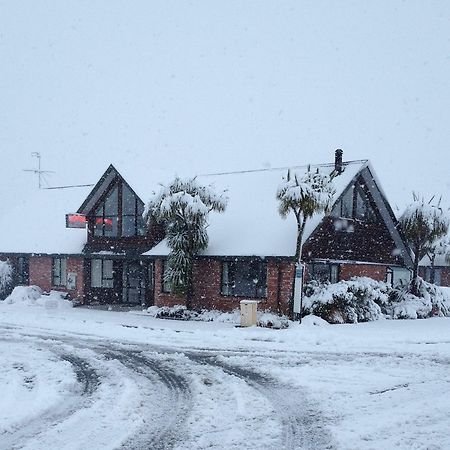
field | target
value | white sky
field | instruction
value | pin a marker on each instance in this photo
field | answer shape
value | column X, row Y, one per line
column 195, row 87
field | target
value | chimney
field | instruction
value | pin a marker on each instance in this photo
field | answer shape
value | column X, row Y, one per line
column 338, row 165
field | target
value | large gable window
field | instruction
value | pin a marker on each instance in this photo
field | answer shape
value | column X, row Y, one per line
column 106, row 215
column 59, row 271
column 244, row 278
column 355, row 204
column 120, row 213
column 132, row 212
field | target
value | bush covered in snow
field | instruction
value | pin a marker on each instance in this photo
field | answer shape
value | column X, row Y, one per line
column 356, row 300
column 432, row 301
column 362, row 299
column 180, row 312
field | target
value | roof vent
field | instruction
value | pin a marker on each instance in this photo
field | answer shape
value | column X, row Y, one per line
column 338, row 165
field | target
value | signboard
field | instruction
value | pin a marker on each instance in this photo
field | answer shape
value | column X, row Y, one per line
column 298, row 287
column 71, row 281
column 75, row 221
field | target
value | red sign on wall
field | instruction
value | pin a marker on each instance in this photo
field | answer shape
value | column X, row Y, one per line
column 75, row 221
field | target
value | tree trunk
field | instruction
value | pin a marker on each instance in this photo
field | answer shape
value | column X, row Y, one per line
column 432, row 269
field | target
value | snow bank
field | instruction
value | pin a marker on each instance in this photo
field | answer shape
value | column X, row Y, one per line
column 33, row 296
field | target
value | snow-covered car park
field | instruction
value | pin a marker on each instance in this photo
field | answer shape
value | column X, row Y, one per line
column 77, row 378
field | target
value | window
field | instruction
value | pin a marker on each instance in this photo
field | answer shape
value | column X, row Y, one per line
column 59, row 272
column 120, row 215
column 102, row 273
column 433, row 275
column 132, row 211
column 244, row 278
column 323, row 272
column 22, row 270
column 166, row 285
column 106, row 215
column 355, row 204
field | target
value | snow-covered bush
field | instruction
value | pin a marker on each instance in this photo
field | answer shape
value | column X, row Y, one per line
column 5, row 275
column 431, row 301
column 356, row 300
column 180, row 312
column 270, row 320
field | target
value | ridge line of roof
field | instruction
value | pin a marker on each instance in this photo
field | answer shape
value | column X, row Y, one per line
column 346, row 163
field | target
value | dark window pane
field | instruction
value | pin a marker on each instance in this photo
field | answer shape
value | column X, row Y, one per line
column 244, row 278
column 111, row 203
column 110, row 226
column 128, row 201
column 96, row 273
column 128, row 225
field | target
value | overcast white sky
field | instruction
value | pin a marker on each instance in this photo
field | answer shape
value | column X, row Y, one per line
column 194, row 87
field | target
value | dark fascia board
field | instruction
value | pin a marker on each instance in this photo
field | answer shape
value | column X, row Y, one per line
column 111, row 174
column 228, row 258
column 387, row 215
column 51, row 255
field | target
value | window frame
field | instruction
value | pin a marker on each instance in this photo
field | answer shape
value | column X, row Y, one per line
column 23, row 270
column 166, row 287
column 262, row 270
column 332, row 267
column 99, row 216
column 358, row 190
column 103, row 278
column 59, row 273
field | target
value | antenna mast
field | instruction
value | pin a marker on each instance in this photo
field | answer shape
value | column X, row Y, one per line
column 40, row 173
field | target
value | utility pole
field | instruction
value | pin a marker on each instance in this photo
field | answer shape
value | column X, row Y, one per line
column 40, row 173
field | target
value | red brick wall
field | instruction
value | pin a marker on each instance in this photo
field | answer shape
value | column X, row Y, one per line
column 207, row 286
column 445, row 276
column 41, row 274
column 362, row 270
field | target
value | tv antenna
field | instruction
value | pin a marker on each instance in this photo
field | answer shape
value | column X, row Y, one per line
column 39, row 172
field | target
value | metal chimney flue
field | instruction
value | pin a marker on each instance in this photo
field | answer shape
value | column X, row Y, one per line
column 338, row 164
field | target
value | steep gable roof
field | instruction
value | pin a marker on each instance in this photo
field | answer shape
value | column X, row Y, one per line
column 251, row 224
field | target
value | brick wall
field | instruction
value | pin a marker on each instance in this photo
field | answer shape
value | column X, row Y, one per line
column 207, row 275
column 362, row 270
column 41, row 274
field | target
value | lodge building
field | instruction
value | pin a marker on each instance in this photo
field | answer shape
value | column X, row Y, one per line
column 94, row 244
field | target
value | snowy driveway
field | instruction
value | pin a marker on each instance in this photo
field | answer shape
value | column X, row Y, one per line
column 77, row 379
column 72, row 392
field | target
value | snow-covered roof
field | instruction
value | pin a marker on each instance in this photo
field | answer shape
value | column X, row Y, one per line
column 251, row 224
column 37, row 223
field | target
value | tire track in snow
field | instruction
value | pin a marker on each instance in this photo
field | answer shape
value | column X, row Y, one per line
column 302, row 424
column 166, row 432
column 89, row 380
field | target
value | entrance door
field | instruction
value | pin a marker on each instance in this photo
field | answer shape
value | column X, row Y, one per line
column 133, row 290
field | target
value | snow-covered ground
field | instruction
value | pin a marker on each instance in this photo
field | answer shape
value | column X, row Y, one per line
column 73, row 378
